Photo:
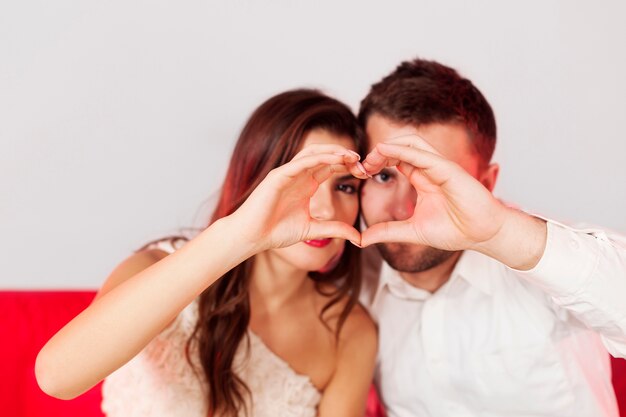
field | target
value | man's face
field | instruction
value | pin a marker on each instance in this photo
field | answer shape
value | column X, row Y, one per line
column 389, row 196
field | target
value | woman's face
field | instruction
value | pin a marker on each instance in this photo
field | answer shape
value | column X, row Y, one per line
column 336, row 199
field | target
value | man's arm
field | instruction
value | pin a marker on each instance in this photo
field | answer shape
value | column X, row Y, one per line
column 584, row 271
column 520, row 241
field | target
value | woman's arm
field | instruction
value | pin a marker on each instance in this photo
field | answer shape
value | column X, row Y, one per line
column 346, row 393
column 131, row 266
column 132, row 310
column 120, row 323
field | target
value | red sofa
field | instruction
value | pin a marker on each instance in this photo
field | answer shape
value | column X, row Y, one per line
column 27, row 321
column 30, row 318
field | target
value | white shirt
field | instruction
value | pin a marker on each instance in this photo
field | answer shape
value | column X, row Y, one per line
column 493, row 341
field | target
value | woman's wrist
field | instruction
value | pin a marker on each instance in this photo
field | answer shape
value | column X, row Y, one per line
column 226, row 232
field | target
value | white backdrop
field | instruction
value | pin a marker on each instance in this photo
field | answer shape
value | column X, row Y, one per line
column 117, row 118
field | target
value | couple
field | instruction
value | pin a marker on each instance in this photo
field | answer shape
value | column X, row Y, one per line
column 481, row 310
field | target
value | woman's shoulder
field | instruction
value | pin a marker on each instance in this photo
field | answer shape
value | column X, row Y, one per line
column 143, row 258
column 359, row 327
column 358, row 323
column 131, row 266
column 168, row 244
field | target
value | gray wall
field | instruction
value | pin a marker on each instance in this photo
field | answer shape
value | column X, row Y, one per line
column 117, row 118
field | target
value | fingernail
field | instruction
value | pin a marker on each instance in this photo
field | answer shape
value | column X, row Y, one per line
column 362, row 169
column 355, row 244
column 355, row 154
column 345, row 153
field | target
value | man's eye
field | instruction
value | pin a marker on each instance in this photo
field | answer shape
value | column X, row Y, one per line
column 346, row 188
column 381, row 177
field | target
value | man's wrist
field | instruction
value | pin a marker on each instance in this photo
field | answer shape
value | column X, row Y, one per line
column 520, row 242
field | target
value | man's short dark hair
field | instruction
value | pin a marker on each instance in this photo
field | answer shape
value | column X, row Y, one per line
column 421, row 92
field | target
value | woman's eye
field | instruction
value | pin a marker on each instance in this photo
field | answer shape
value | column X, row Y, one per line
column 346, row 188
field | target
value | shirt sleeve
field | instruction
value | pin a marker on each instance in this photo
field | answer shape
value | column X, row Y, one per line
column 584, row 272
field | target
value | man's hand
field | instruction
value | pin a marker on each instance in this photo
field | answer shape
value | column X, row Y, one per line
column 453, row 211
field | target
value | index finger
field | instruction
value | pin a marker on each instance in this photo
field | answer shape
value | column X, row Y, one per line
column 316, row 148
column 376, row 160
column 413, row 141
column 435, row 167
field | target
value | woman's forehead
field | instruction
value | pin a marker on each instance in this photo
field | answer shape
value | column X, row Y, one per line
column 323, row 136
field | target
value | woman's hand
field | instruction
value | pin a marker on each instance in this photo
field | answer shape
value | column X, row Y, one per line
column 277, row 212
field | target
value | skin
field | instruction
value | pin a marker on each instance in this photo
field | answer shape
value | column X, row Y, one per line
column 304, row 199
column 285, row 304
column 335, row 199
column 430, row 192
column 438, row 176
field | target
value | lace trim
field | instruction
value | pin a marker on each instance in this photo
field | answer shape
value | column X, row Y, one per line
column 159, row 381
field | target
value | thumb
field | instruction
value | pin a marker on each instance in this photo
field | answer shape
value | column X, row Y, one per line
column 327, row 229
column 397, row 231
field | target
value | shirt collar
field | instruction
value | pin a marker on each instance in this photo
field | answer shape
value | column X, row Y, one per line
column 391, row 281
column 473, row 267
column 477, row 270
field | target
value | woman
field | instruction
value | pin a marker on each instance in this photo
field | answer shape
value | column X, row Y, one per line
column 255, row 316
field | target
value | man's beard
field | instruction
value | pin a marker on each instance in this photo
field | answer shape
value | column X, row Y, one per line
column 410, row 258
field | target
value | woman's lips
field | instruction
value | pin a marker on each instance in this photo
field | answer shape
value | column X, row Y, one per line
column 318, row 243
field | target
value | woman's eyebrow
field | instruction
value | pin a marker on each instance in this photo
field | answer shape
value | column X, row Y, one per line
column 347, row 177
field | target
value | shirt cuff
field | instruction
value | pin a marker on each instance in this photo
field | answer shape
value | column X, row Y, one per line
column 567, row 263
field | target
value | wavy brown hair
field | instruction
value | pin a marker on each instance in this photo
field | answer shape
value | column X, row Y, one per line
column 271, row 137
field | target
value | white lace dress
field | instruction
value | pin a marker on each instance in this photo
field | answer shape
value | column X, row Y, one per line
column 160, row 382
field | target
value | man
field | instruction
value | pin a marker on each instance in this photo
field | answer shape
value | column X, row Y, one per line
column 483, row 310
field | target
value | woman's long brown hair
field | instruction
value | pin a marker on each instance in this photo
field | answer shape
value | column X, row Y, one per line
column 272, row 136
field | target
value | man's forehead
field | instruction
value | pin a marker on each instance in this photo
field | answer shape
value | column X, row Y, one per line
column 450, row 139
column 381, row 129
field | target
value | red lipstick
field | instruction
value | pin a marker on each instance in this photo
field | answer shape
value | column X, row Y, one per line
column 318, row 243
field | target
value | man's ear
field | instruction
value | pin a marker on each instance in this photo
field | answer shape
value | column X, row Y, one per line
column 489, row 176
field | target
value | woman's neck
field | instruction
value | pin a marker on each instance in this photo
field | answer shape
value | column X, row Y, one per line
column 274, row 283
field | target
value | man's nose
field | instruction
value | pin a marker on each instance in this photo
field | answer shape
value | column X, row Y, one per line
column 321, row 204
column 403, row 203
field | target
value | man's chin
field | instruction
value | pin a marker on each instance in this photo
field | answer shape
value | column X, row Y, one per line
column 405, row 257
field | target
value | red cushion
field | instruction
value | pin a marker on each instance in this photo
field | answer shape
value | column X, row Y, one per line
column 28, row 320
column 374, row 408
column 619, row 383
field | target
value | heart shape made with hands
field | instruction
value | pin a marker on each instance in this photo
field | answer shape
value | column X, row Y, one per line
column 393, row 231
column 453, row 209
column 381, row 157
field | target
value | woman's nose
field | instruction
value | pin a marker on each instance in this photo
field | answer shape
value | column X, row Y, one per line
column 321, row 205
